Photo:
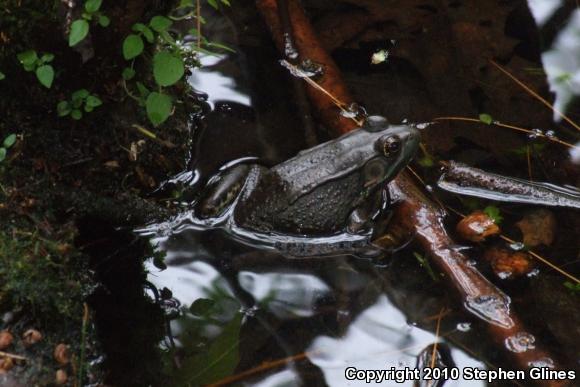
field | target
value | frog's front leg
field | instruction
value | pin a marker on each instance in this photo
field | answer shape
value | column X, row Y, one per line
column 221, row 191
column 363, row 217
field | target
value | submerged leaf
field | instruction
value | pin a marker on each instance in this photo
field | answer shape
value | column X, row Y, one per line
column 220, row 361
column 494, row 213
column 202, row 306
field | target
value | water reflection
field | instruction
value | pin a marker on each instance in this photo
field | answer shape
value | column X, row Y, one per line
column 562, row 60
column 379, row 338
column 285, row 295
column 222, row 87
column 542, row 10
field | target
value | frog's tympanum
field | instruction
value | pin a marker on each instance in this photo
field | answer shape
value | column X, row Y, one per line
column 325, row 200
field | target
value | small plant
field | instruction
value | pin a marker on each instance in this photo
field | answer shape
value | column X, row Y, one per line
column 2, row 76
column 80, row 100
column 573, row 287
column 494, row 213
column 424, row 262
column 79, row 29
column 168, row 62
column 168, row 65
column 40, row 65
column 7, row 144
column 486, row 118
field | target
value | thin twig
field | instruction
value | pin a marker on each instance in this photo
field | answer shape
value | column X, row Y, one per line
column 437, row 328
column 513, row 127
column 544, row 261
column 261, row 368
column 198, row 22
column 12, row 356
column 341, row 105
column 536, row 95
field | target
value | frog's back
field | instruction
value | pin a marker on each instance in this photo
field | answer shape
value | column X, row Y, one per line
column 323, row 211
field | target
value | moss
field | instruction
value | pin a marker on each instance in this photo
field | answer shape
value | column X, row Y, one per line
column 48, row 277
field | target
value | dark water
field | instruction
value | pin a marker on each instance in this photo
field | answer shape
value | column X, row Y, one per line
column 345, row 311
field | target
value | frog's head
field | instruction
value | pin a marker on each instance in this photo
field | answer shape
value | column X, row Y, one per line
column 393, row 148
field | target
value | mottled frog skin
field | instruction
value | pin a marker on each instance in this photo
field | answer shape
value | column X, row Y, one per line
column 334, row 188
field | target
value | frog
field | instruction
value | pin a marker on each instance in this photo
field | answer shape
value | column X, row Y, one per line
column 326, row 200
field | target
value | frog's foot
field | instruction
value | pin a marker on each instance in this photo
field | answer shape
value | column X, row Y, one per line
column 222, row 191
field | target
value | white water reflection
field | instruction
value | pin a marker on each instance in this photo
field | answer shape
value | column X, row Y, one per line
column 379, row 338
column 284, row 378
column 562, row 63
column 286, row 295
column 542, row 10
column 219, row 86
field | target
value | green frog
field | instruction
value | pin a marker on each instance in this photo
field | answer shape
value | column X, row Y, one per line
column 323, row 201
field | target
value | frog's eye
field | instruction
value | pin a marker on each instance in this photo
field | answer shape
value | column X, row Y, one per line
column 389, row 146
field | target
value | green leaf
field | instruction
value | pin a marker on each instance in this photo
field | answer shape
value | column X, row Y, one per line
column 213, row 3
column 220, row 360
column 424, row 262
column 148, row 34
column 202, row 306
column 494, row 213
column 142, row 90
column 426, row 161
column 485, row 118
column 48, row 57
column 28, row 59
column 78, row 31
column 167, row 37
column 79, row 95
column 93, row 101
column 167, row 68
column 2, row 154
column 45, row 75
column 158, row 107
column 9, row 140
column 2, row 76
column 132, row 46
column 139, row 27
column 159, row 263
column 185, row 3
column 76, row 114
column 222, row 46
column 63, row 108
column 93, row 6
column 128, row 73
column 573, row 287
column 226, row 2
column 160, row 23
column 104, row 21
column 146, row 31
